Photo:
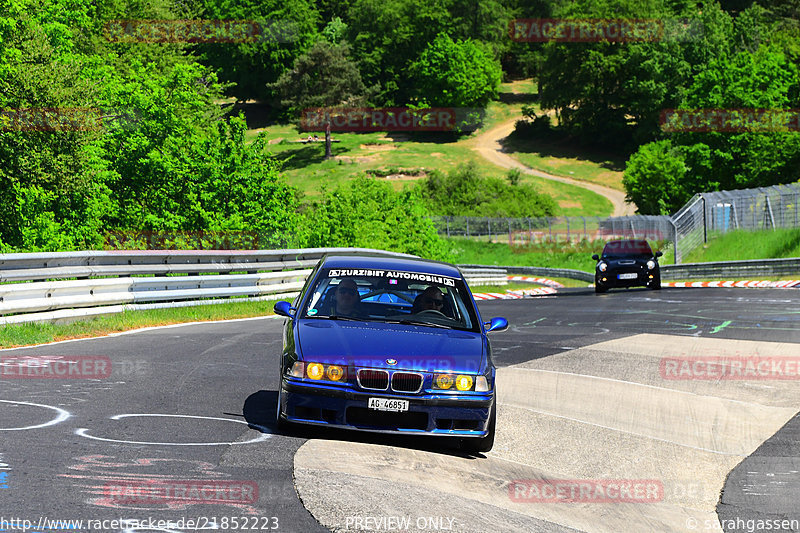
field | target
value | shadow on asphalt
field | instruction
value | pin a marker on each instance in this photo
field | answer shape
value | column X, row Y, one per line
column 259, row 411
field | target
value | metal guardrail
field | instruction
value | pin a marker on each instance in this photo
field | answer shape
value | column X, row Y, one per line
column 752, row 268
column 480, row 275
column 568, row 273
column 34, row 287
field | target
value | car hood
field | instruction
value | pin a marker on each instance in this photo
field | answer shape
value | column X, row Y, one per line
column 626, row 261
column 376, row 345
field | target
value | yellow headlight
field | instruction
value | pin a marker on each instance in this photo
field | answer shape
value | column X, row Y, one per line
column 444, row 381
column 334, row 373
column 315, row 371
column 464, row 383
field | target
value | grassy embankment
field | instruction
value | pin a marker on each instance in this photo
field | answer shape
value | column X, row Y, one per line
column 409, row 157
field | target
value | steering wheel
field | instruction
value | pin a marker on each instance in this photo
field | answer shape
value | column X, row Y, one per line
column 433, row 312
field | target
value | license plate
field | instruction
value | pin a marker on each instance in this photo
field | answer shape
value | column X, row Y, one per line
column 388, row 404
column 631, row 275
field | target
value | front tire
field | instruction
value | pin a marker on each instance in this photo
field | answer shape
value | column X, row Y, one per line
column 281, row 424
column 484, row 444
column 599, row 289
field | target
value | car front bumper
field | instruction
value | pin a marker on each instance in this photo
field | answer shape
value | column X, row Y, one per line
column 430, row 414
column 612, row 280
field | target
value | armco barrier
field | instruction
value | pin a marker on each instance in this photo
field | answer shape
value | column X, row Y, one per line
column 39, row 291
column 568, row 273
column 754, row 268
column 141, row 277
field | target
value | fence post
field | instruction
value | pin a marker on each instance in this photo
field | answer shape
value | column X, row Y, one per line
column 675, row 241
column 489, row 226
column 447, row 220
column 468, row 227
column 705, row 225
column 510, row 238
column 585, row 237
column 768, row 212
column 550, row 228
column 530, row 232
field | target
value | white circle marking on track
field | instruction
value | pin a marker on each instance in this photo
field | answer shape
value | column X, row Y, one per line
column 83, row 432
column 62, row 415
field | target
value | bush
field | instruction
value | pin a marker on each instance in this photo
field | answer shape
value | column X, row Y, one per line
column 465, row 193
column 367, row 213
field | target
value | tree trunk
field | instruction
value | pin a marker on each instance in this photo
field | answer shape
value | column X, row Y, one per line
column 328, row 153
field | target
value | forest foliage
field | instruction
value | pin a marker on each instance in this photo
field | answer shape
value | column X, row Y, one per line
column 162, row 153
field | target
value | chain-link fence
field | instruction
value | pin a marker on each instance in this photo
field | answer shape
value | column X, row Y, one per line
column 521, row 231
column 711, row 213
column 704, row 216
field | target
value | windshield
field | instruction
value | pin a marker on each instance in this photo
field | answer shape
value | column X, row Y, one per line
column 392, row 297
column 615, row 249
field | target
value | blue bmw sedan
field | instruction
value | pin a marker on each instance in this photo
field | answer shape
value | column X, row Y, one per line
column 391, row 345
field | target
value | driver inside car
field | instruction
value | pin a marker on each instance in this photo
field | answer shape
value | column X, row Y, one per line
column 431, row 299
column 347, row 300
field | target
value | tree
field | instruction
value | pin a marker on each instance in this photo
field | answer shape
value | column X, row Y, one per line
column 762, row 79
column 288, row 29
column 370, row 214
column 322, row 78
column 387, row 35
column 654, row 179
column 455, row 73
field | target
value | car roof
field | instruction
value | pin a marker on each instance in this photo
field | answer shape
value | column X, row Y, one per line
column 631, row 246
column 384, row 262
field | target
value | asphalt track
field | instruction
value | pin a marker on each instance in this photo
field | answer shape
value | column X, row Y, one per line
column 582, row 397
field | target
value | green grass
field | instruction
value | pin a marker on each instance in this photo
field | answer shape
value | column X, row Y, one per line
column 467, row 251
column 305, row 167
column 739, row 245
column 563, row 158
column 43, row 332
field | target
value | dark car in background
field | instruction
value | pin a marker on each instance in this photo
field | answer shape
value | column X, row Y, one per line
column 627, row 263
column 390, row 345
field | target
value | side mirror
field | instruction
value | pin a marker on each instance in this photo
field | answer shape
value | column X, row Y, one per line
column 284, row 309
column 498, row 323
column 659, row 253
column 596, row 257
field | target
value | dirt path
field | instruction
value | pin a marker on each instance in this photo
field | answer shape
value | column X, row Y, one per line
column 488, row 144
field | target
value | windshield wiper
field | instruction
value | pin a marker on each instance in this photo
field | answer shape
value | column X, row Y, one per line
column 337, row 317
column 407, row 322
